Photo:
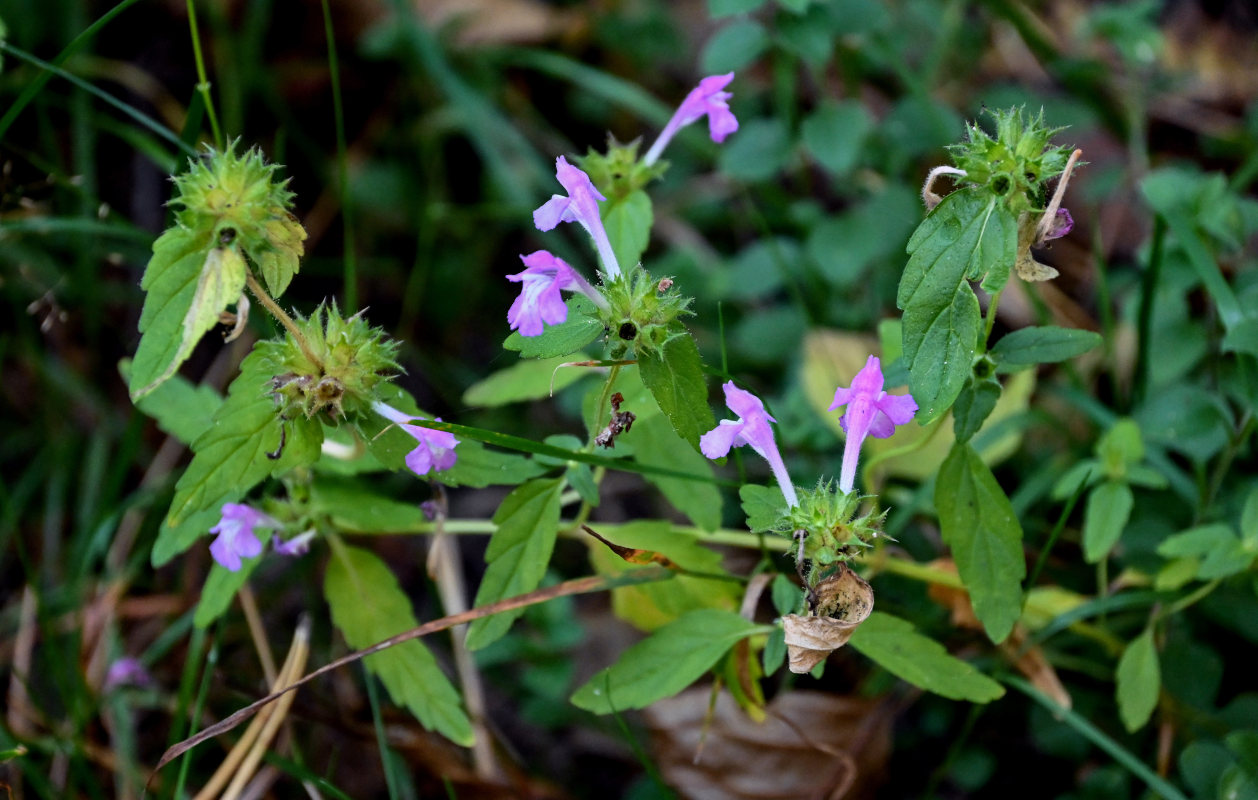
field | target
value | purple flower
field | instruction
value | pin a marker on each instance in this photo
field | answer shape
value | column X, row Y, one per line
column 581, row 206
column 236, row 539
column 706, row 98
column 127, row 671
column 299, row 545
column 751, row 428
column 870, row 412
column 435, row 450
column 1060, row 225
column 540, row 300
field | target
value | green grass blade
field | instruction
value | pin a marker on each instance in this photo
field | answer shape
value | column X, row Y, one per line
column 135, row 114
column 32, row 88
column 538, row 448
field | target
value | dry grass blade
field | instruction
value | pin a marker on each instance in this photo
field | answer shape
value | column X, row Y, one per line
column 593, row 583
column 243, row 759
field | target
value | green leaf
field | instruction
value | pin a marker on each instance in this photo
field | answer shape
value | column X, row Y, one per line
column 369, row 606
column 1044, row 345
column 180, row 408
column 171, row 281
column 655, row 443
column 581, row 328
column 231, row 457
column 674, row 376
column 733, row 47
column 1249, row 519
column 760, row 148
column 973, row 406
column 1120, row 447
column 968, row 235
column 628, row 221
column 787, row 597
column 893, row 644
column 728, row 8
column 355, row 507
column 1220, row 552
column 1104, row 517
column 835, row 133
column 665, row 662
column 478, row 467
column 979, row 524
column 763, row 505
column 220, row 587
column 1242, row 337
column 527, row 380
column 174, row 539
column 1244, row 745
column 1139, row 679
column 518, row 554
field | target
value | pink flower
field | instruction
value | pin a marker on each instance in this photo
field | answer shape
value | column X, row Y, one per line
column 751, row 428
column 127, row 671
column 435, row 450
column 706, row 98
column 540, row 302
column 870, row 412
column 299, row 545
column 236, row 537
column 580, row 206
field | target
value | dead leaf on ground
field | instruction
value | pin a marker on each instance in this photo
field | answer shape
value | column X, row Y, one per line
column 812, row 745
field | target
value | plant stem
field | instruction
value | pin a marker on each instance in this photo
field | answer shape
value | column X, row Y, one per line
column 203, row 85
column 1188, row 600
column 989, row 322
column 281, row 315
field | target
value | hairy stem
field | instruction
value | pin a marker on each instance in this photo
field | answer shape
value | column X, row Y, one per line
column 281, row 315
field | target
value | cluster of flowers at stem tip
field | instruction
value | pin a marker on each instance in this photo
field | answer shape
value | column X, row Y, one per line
column 870, row 412
column 546, row 276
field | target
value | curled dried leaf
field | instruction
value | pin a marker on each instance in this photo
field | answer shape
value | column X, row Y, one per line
column 845, row 600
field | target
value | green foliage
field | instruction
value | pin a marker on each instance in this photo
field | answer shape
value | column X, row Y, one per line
column 187, row 283
column 527, row 380
column 664, row 663
column 974, row 405
column 1106, row 514
column 1016, row 164
column 674, row 376
column 892, row 643
column 247, row 441
column 1049, row 344
column 368, row 606
column 1139, row 679
column 628, row 222
column 528, row 521
column 354, row 507
column 648, row 606
column 180, row 409
column 230, row 208
column 764, row 507
column 979, row 524
column 655, row 443
column 220, row 588
column 833, row 135
column 968, row 236
column 337, row 367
